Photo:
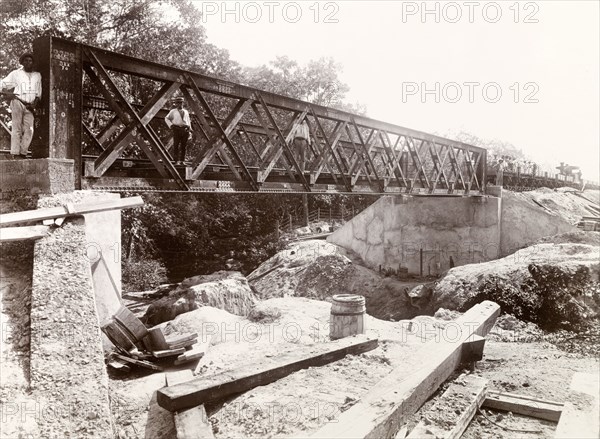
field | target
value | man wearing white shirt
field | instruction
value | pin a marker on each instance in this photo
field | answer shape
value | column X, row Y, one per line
column 27, row 90
column 178, row 120
column 301, row 142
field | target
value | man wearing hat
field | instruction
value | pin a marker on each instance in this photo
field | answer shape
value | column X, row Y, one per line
column 178, row 120
column 26, row 92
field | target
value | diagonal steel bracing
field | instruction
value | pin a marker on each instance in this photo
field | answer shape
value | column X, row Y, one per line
column 248, row 148
column 155, row 150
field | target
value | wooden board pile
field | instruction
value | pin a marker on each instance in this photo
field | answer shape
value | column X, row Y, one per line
column 137, row 345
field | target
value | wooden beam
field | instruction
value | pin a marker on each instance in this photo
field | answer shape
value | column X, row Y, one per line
column 383, row 410
column 192, row 423
column 523, row 405
column 472, row 350
column 76, row 209
column 579, row 418
column 201, row 389
column 442, row 423
column 198, row 350
column 23, row 233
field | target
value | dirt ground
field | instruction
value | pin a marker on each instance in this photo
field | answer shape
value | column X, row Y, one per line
column 299, row 404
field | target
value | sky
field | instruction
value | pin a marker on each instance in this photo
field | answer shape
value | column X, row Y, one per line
column 525, row 72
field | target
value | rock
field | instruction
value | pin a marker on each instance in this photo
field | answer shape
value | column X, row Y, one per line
column 229, row 291
column 204, row 278
column 169, row 307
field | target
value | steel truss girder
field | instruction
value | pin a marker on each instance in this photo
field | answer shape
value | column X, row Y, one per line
column 344, row 147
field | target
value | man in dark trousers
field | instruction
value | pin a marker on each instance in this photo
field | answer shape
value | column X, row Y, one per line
column 178, row 120
column 26, row 92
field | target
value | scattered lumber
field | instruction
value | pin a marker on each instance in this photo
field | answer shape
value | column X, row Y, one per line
column 142, row 346
column 155, row 340
column 168, row 353
column 117, row 336
column 383, row 410
column 523, row 405
column 183, row 341
column 8, row 234
column 579, row 418
column 466, row 395
column 141, row 363
column 68, row 210
column 131, row 325
column 201, row 389
column 118, row 365
column 191, row 423
column 197, row 352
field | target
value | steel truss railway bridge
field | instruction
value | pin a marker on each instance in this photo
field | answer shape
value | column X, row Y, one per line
column 105, row 111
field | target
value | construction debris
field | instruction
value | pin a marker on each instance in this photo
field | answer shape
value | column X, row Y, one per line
column 465, row 396
column 137, row 345
column 523, row 405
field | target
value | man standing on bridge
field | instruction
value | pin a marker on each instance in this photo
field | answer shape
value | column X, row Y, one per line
column 178, row 120
column 301, row 143
column 26, row 92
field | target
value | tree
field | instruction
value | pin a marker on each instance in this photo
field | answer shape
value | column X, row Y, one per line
column 317, row 82
column 160, row 31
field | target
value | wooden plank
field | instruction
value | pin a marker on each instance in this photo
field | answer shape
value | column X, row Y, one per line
column 580, row 418
column 141, row 363
column 181, row 339
column 77, row 209
column 177, row 377
column 198, row 351
column 8, row 234
column 183, row 344
column 131, row 323
column 238, row 380
column 524, row 405
column 383, row 410
column 118, row 365
column 155, row 340
column 168, row 353
column 193, row 424
column 464, row 395
column 472, row 350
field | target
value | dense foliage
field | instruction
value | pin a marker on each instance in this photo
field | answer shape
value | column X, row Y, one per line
column 198, row 234
column 553, row 297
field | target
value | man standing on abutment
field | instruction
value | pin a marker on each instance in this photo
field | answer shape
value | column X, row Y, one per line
column 26, row 92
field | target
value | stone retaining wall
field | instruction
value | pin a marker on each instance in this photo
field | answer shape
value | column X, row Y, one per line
column 36, row 176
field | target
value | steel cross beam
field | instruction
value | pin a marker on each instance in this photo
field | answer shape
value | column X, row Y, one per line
column 156, row 152
column 224, row 132
column 286, row 148
column 268, row 167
